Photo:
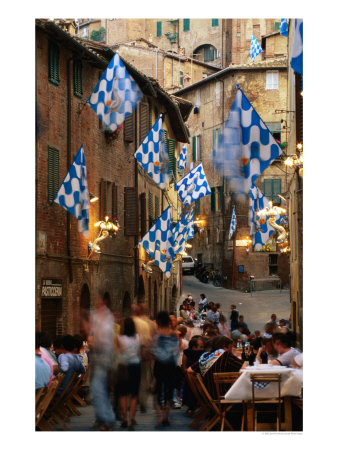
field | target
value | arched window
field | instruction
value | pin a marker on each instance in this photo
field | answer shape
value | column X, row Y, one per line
column 206, row 53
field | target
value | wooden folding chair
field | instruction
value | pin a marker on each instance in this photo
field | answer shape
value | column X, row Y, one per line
column 57, row 410
column 215, row 414
column 72, row 393
column 42, row 405
column 77, row 393
column 266, row 378
column 38, row 394
column 203, row 411
column 227, row 378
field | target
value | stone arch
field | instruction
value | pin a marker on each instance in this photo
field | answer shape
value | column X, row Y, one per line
column 126, row 305
column 206, row 53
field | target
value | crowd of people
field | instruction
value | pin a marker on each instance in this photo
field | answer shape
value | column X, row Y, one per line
column 130, row 359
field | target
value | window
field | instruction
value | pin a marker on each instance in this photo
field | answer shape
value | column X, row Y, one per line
column 215, row 136
column 217, row 198
column 130, row 212
column 213, row 199
column 196, row 148
column 272, row 187
column 54, row 64
column 277, row 26
column 214, row 22
column 143, row 208
column 77, row 78
column 272, row 80
column 150, row 209
column 85, row 32
column 197, row 206
column 171, row 144
column 159, row 29
column 157, row 207
column 181, row 78
column 144, row 120
column 53, row 173
column 273, row 264
column 275, row 129
column 209, row 53
column 129, row 128
column 186, row 24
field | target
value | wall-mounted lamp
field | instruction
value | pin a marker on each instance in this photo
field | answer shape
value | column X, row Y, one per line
column 107, row 228
column 93, row 198
column 272, row 212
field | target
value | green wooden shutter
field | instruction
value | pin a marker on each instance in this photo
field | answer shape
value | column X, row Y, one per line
column 214, row 22
column 277, row 26
column 143, row 202
column 181, row 78
column 199, row 147
column 157, row 206
column 276, row 189
column 197, row 206
column 221, row 197
column 114, row 197
column 77, row 78
column 268, row 188
column 186, row 24
column 53, row 173
column 213, row 199
column 172, row 158
column 194, row 148
column 53, row 64
column 159, row 29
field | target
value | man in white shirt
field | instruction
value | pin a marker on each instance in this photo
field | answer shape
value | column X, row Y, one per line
column 286, row 353
column 202, row 303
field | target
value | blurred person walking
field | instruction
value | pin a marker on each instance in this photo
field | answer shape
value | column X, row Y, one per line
column 128, row 385
column 165, row 350
column 101, row 336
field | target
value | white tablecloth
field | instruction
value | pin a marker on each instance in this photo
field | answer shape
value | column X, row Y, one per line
column 291, row 383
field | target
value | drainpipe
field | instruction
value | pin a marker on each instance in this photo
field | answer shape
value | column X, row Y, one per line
column 69, row 145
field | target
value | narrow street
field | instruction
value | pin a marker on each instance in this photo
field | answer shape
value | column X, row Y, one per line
column 256, row 308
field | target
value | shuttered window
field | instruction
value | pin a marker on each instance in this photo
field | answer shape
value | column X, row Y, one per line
column 214, row 22
column 54, row 64
column 194, row 148
column 197, row 206
column 77, row 78
column 53, row 173
column 215, row 136
column 150, row 209
column 144, row 121
column 157, row 207
column 181, row 78
column 129, row 128
column 213, row 199
column 130, row 212
column 272, row 187
column 171, row 143
column 159, row 29
column 114, row 205
column 277, row 26
column 143, row 204
column 186, row 24
column 221, row 195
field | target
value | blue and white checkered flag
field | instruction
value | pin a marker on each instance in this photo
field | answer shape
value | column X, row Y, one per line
column 255, row 48
column 182, row 159
column 73, row 192
column 260, row 229
column 153, row 156
column 182, row 232
column 246, row 146
column 116, row 95
column 159, row 243
column 193, row 186
column 261, row 384
column 191, row 228
column 233, row 223
column 284, row 24
column 297, row 49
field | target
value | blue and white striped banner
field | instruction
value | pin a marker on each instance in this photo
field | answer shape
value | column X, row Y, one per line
column 193, row 186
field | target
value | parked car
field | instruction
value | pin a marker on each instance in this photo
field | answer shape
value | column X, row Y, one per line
column 188, row 264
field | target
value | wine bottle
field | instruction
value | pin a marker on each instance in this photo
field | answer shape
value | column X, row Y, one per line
column 264, row 356
column 244, row 357
column 252, row 356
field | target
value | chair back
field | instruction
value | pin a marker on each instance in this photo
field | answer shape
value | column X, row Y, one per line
column 194, row 386
column 226, row 378
column 265, row 378
column 45, row 400
column 207, row 399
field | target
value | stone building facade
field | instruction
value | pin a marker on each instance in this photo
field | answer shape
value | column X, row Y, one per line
column 67, row 279
column 214, row 96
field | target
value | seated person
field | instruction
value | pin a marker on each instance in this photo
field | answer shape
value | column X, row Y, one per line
column 79, row 350
column 43, row 372
column 69, row 363
column 270, row 329
column 267, row 345
column 219, row 359
column 48, row 355
column 282, row 328
column 244, row 325
column 286, row 353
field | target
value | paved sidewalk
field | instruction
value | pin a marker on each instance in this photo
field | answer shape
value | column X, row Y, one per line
column 145, row 421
